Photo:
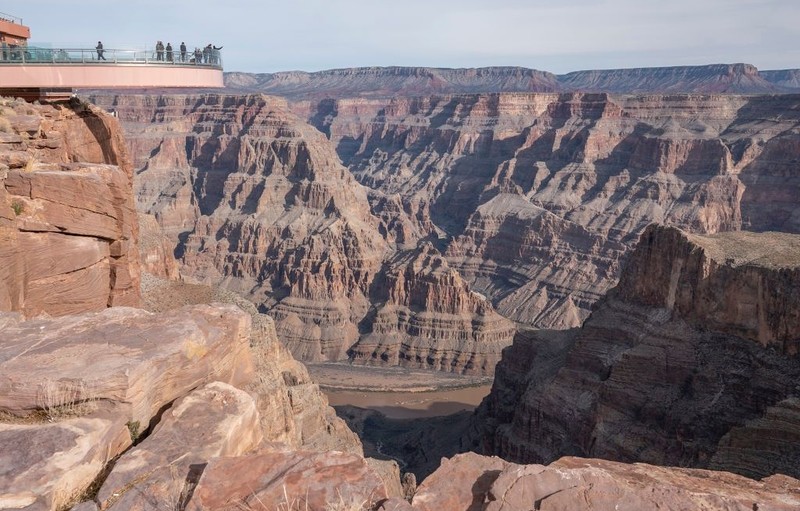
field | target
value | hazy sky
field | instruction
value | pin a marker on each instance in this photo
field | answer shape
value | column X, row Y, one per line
column 552, row 35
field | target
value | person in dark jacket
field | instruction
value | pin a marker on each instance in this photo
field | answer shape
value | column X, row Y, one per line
column 100, row 50
column 183, row 51
column 169, row 52
column 159, row 50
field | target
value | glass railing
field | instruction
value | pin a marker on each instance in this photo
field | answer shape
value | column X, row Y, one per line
column 38, row 55
column 10, row 18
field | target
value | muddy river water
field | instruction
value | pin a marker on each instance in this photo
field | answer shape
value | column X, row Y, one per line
column 399, row 393
column 411, row 405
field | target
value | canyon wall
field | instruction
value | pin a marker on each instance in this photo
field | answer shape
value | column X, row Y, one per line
column 690, row 361
column 387, row 82
column 67, row 220
column 535, row 199
column 254, row 199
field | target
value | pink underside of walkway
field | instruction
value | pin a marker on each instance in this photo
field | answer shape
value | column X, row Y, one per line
column 109, row 75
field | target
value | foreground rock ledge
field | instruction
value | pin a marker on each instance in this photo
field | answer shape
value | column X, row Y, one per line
column 491, row 484
column 122, row 355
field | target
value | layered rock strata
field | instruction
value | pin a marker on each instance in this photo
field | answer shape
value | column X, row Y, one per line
column 542, row 195
column 690, row 361
column 256, row 200
column 392, row 81
column 428, row 317
column 67, row 220
column 384, row 82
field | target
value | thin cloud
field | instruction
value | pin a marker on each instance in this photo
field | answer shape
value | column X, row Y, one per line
column 323, row 34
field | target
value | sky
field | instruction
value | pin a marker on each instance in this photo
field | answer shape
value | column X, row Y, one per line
column 551, row 35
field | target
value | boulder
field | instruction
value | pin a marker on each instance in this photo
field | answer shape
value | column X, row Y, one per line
column 48, row 466
column 294, row 479
column 215, row 420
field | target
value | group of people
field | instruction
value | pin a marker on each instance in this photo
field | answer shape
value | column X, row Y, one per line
column 208, row 55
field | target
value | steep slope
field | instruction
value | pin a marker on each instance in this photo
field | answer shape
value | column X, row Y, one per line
column 536, row 198
column 690, row 361
column 260, row 204
column 256, row 200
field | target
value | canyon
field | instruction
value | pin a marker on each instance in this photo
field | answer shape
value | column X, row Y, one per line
column 484, row 206
column 414, row 231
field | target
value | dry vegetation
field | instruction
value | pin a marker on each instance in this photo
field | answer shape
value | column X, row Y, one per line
column 65, row 399
column 288, row 503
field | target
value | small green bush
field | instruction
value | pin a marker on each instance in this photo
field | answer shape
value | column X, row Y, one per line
column 133, row 429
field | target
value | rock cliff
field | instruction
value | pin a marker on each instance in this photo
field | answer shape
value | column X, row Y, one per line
column 386, row 82
column 256, row 200
column 427, row 317
column 67, row 220
column 536, row 198
column 690, row 361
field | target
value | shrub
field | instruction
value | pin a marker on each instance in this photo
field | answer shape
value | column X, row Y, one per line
column 64, row 399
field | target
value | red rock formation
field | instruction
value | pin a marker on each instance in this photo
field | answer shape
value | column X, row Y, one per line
column 67, row 222
column 292, row 408
column 690, row 361
column 256, row 200
column 543, row 194
column 429, row 318
column 490, row 484
column 288, row 480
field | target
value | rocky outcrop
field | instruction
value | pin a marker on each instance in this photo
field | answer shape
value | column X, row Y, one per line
column 741, row 284
column 45, row 466
column 215, row 420
column 491, row 484
column 121, row 355
column 542, row 195
column 92, row 385
column 76, row 391
column 689, row 361
column 429, row 318
column 292, row 408
column 291, row 480
column 67, row 221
